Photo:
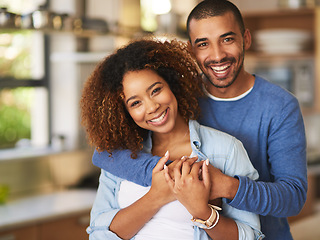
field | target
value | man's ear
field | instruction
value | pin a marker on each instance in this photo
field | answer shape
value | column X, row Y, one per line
column 247, row 39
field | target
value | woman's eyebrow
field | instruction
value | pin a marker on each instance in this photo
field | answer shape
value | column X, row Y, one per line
column 150, row 87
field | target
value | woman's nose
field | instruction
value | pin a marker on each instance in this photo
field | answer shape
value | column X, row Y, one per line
column 152, row 106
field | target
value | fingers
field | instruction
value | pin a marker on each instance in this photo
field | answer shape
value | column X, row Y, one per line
column 206, row 174
column 192, row 160
column 168, row 178
column 161, row 163
column 185, row 168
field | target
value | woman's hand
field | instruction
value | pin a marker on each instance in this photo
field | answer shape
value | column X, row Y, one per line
column 160, row 190
column 191, row 186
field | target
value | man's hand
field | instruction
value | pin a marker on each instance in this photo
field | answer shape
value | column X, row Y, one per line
column 222, row 186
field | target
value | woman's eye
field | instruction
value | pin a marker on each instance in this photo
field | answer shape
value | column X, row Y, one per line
column 135, row 103
column 156, row 90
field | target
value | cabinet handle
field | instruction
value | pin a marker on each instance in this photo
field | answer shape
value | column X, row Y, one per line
column 8, row 237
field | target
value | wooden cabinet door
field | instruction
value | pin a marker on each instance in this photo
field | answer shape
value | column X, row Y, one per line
column 65, row 228
column 26, row 233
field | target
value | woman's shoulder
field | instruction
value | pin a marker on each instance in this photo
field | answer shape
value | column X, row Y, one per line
column 211, row 137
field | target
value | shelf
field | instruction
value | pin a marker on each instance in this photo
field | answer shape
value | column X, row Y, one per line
column 286, row 18
column 279, row 13
column 283, row 56
column 307, row 19
column 9, row 82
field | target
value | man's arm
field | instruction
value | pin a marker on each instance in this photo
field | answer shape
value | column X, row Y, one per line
column 286, row 194
column 121, row 164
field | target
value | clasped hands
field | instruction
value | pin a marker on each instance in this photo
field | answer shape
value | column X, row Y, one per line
column 187, row 181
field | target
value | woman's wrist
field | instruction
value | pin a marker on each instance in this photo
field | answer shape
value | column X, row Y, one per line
column 202, row 213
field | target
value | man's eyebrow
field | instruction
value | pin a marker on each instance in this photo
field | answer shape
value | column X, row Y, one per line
column 200, row 40
column 222, row 36
column 228, row 34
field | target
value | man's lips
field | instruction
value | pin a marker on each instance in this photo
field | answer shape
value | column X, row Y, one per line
column 221, row 68
column 221, row 71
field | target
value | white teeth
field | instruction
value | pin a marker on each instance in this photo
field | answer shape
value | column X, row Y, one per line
column 220, row 68
column 159, row 118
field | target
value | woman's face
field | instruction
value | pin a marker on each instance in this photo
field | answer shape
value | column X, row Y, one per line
column 150, row 101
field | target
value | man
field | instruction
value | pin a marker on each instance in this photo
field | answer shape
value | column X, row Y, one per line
column 266, row 118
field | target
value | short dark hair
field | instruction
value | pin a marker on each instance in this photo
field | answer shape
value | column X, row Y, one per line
column 213, row 8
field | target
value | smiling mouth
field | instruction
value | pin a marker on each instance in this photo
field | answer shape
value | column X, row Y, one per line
column 160, row 118
column 220, row 69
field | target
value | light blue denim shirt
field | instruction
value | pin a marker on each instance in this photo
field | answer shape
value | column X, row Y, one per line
column 224, row 152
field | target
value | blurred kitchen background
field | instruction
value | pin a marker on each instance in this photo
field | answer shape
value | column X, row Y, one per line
column 48, row 49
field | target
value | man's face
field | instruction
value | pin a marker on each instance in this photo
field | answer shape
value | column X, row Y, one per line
column 219, row 47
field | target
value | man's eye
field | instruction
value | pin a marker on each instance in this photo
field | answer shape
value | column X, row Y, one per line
column 230, row 39
column 202, row 44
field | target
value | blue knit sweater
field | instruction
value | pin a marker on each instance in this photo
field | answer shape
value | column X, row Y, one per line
column 269, row 123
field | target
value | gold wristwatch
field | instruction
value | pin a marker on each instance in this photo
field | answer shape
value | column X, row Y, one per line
column 211, row 222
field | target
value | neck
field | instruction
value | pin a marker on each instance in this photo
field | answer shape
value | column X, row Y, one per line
column 180, row 131
column 243, row 83
column 177, row 141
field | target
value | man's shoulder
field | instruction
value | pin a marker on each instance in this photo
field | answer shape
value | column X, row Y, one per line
column 272, row 89
column 266, row 92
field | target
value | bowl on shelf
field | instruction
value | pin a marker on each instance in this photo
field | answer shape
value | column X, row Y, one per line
column 282, row 40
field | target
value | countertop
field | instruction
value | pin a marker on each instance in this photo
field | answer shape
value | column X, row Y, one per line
column 36, row 209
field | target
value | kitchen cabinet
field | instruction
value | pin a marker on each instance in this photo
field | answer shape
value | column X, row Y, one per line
column 61, row 215
column 24, row 233
column 65, row 228
column 307, row 19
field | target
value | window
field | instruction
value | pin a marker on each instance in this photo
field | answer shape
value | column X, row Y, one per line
column 24, row 91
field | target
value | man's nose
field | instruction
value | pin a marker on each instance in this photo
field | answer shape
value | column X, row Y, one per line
column 217, row 53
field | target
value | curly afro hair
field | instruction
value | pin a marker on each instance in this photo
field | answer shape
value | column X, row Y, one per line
column 104, row 116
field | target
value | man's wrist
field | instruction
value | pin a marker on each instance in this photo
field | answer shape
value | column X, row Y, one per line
column 231, row 187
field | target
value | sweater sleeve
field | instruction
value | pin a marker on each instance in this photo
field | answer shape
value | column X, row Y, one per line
column 139, row 172
column 285, row 194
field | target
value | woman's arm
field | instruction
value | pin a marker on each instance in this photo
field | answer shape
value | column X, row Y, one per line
column 130, row 220
column 108, row 221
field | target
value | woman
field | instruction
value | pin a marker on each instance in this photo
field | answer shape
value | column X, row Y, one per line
column 144, row 97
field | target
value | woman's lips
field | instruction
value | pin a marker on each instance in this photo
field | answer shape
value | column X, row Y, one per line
column 161, row 119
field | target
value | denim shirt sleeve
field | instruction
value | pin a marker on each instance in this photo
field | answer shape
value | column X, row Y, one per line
column 238, row 163
column 105, row 207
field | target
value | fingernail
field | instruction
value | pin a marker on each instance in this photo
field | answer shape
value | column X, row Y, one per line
column 167, row 153
column 183, row 158
column 207, row 161
column 165, row 166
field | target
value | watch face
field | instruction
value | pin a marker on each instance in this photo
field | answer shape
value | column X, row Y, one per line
column 200, row 225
